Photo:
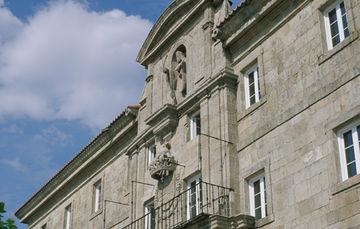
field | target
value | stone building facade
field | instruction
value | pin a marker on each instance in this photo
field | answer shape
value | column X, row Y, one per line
column 249, row 118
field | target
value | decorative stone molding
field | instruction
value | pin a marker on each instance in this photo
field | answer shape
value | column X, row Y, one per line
column 164, row 121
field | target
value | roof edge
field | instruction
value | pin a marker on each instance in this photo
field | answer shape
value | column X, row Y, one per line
column 125, row 117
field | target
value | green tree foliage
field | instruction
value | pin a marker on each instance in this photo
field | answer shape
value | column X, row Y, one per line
column 9, row 223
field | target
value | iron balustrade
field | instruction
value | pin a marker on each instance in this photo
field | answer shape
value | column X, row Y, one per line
column 201, row 199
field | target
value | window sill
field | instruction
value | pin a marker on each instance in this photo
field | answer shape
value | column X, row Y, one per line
column 95, row 214
column 252, row 108
column 346, row 185
column 330, row 53
column 264, row 221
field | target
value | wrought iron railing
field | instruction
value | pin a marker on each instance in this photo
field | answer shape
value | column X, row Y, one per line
column 200, row 199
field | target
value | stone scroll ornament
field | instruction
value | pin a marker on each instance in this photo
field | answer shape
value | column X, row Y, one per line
column 163, row 165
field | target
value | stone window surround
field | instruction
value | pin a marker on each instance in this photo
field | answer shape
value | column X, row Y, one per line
column 243, row 112
column 340, row 133
column 261, row 178
column 254, row 69
column 146, row 204
column 96, row 180
column 194, row 109
column 262, row 167
column 193, row 125
column 338, row 185
column 354, row 34
column 150, row 152
column 70, row 206
column 197, row 176
column 335, row 5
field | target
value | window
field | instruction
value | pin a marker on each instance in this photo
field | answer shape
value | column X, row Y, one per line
column 349, row 141
column 194, row 197
column 336, row 24
column 195, row 125
column 257, row 194
column 44, row 226
column 252, row 86
column 68, row 217
column 97, row 191
column 150, row 216
column 152, row 153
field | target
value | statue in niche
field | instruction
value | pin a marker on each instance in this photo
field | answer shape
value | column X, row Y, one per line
column 171, row 81
column 176, row 73
column 180, row 70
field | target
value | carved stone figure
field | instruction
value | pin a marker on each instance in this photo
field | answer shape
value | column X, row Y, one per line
column 180, row 70
column 171, row 81
column 163, row 165
column 224, row 12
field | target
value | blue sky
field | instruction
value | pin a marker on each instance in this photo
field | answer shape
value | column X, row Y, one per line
column 67, row 68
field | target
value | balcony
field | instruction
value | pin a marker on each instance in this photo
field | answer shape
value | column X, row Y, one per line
column 190, row 208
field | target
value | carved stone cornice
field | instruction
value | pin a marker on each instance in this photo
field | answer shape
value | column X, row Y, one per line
column 169, row 25
column 224, row 78
column 164, row 121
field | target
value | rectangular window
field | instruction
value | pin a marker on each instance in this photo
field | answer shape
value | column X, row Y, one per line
column 68, row 217
column 252, row 86
column 336, row 24
column 195, row 125
column 257, row 194
column 97, row 196
column 194, row 197
column 150, row 216
column 152, row 153
column 349, row 141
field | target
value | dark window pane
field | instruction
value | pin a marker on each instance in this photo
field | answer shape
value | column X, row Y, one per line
column 358, row 131
column 336, row 40
column 332, row 16
column 256, row 187
column 342, row 7
column 348, row 141
column 351, row 169
column 251, row 78
column 252, row 89
column 346, row 32
column 252, row 100
column 257, row 201
column 345, row 22
column 258, row 213
column 334, row 29
column 350, row 154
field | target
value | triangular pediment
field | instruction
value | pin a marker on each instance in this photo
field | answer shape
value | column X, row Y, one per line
column 167, row 24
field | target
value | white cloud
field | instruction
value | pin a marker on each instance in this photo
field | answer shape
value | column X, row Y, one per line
column 68, row 62
column 12, row 129
column 15, row 164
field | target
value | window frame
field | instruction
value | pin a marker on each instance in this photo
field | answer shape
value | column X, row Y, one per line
column 263, row 202
column 197, row 178
column 336, row 5
column 68, row 213
column 342, row 154
column 98, row 196
column 194, row 125
column 151, row 153
column 148, row 215
column 254, row 68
